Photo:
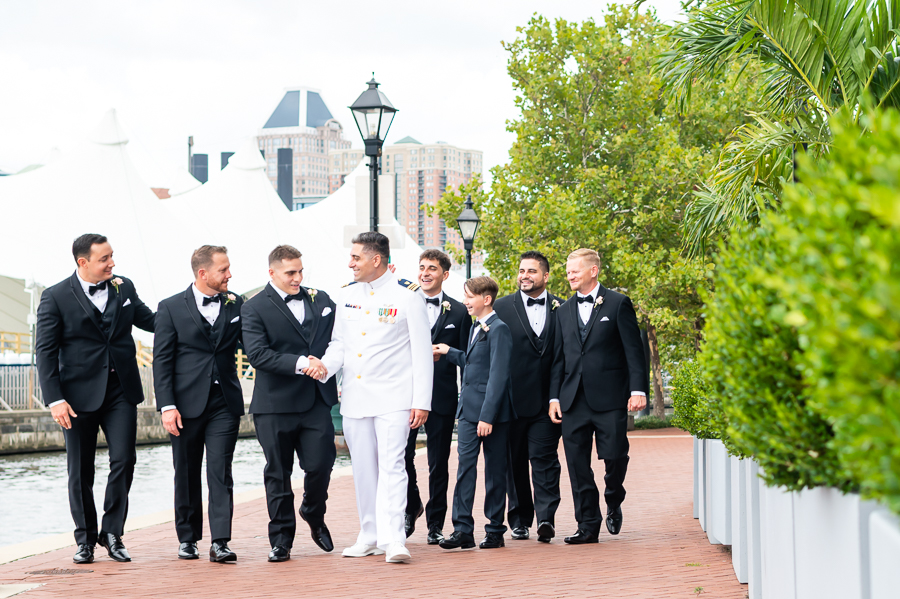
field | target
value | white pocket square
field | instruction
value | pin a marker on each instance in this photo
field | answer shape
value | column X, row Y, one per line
column 235, row 319
column 127, row 302
column 450, row 326
column 604, row 318
column 326, row 311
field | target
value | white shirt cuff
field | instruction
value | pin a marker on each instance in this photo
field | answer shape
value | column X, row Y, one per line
column 639, row 393
column 56, row 403
column 302, row 362
column 166, row 408
column 554, row 401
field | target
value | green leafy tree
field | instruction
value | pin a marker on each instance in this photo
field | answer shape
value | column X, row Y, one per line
column 601, row 161
column 817, row 56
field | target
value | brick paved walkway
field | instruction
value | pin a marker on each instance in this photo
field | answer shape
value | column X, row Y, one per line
column 649, row 559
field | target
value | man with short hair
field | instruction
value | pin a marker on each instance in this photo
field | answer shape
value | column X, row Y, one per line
column 450, row 324
column 200, row 398
column 603, row 375
column 89, row 377
column 284, row 327
column 531, row 315
column 382, row 341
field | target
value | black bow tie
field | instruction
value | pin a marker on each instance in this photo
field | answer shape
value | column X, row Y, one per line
column 432, row 300
column 98, row 287
column 208, row 300
column 288, row 298
column 585, row 299
column 532, row 301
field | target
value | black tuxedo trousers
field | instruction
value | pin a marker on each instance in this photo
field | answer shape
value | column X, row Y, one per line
column 216, row 430
column 439, row 429
column 117, row 417
column 535, row 440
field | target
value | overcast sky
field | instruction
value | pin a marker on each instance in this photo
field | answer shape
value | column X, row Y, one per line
column 215, row 69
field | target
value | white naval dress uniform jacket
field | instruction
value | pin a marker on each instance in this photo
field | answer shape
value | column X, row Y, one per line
column 382, row 340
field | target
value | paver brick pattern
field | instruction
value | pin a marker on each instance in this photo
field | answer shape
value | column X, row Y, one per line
column 648, row 559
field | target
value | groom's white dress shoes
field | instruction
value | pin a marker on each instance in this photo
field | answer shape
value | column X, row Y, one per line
column 397, row 553
column 362, row 550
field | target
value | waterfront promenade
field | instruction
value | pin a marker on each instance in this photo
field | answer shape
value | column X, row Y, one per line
column 661, row 552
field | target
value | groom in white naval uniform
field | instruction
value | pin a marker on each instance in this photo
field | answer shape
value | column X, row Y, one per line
column 382, row 340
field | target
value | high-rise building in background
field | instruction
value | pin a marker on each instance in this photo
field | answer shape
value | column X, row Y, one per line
column 303, row 124
column 422, row 173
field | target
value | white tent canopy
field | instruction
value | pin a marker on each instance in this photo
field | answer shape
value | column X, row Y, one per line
column 97, row 188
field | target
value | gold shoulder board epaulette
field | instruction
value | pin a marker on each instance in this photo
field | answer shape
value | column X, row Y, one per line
column 408, row 284
column 348, row 284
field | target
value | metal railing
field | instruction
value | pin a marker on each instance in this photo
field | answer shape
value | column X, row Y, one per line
column 19, row 343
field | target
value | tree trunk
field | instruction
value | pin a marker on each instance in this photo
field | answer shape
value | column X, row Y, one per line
column 659, row 401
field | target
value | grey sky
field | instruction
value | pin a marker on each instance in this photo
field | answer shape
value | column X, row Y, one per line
column 215, row 69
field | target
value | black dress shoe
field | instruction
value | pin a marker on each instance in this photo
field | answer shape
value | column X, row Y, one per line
column 519, row 533
column 582, row 537
column 84, row 555
column 493, row 540
column 545, row 532
column 114, row 546
column 220, row 553
column 279, row 553
column 435, row 536
column 614, row 520
column 458, row 540
column 188, row 551
column 321, row 536
column 411, row 521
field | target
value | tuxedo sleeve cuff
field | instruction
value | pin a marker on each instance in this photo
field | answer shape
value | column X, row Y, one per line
column 166, row 408
column 56, row 403
column 302, row 362
column 639, row 393
column 554, row 401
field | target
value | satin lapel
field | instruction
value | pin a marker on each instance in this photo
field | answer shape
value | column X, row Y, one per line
column 595, row 311
column 523, row 318
column 575, row 316
column 190, row 304
column 313, row 311
column 82, row 299
column 439, row 323
column 113, row 304
column 481, row 334
column 282, row 307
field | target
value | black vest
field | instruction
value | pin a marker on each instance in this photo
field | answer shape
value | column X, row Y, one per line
column 582, row 327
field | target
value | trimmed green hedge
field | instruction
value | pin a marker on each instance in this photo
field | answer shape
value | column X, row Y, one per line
column 691, row 404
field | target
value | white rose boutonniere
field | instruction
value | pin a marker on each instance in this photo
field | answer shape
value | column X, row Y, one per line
column 229, row 299
column 554, row 305
column 445, row 306
column 312, row 295
column 599, row 302
column 115, row 282
column 484, row 327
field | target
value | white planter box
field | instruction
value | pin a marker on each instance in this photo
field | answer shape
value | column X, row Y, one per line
column 718, row 493
column 698, row 473
column 777, row 543
column 830, row 535
column 884, row 554
column 753, row 484
column 701, row 482
column 739, row 518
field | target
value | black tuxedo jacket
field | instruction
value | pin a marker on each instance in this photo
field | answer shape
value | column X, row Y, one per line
column 610, row 363
column 485, row 394
column 452, row 327
column 533, row 358
column 274, row 340
column 72, row 351
column 187, row 357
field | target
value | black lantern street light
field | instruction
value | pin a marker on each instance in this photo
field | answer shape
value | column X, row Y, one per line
column 373, row 113
column 468, row 222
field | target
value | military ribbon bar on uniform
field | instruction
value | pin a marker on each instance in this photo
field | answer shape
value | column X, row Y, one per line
column 387, row 315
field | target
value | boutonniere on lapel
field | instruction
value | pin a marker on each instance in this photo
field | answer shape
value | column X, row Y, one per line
column 599, row 302
column 229, row 299
column 445, row 306
column 484, row 327
column 554, row 305
column 312, row 295
column 115, row 282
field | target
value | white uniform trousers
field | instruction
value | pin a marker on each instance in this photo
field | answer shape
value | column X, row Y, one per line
column 377, row 452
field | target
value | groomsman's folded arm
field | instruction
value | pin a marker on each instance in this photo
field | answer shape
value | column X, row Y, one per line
column 165, row 340
column 261, row 356
column 48, row 332
column 498, row 375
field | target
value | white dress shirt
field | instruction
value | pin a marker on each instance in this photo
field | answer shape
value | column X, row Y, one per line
column 382, row 341
column 537, row 313
column 434, row 312
column 211, row 310
column 298, row 309
column 100, row 296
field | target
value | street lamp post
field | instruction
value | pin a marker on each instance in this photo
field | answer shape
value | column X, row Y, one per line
column 468, row 222
column 374, row 114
